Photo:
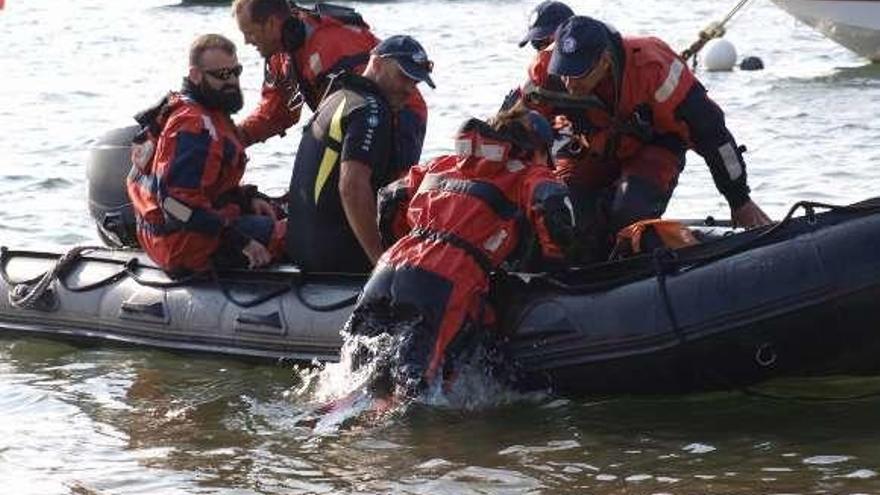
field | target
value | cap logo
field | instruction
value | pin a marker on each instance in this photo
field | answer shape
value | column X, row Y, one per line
column 533, row 18
column 419, row 57
column 569, row 45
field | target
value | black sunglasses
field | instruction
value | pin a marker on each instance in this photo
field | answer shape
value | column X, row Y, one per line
column 225, row 73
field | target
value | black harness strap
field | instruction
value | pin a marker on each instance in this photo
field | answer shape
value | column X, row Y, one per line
column 476, row 253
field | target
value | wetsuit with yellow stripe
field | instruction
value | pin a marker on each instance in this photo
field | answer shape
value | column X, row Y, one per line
column 354, row 123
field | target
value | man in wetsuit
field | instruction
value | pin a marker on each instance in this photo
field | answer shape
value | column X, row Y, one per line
column 346, row 155
column 304, row 50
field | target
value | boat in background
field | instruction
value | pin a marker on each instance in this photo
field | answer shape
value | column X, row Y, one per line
column 855, row 24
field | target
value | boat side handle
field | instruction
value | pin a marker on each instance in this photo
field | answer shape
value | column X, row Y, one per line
column 154, row 309
column 260, row 323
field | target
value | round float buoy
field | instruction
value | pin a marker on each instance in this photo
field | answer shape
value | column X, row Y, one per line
column 720, row 55
column 751, row 63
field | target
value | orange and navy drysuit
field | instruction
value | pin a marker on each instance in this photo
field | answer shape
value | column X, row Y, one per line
column 460, row 218
column 301, row 74
column 639, row 124
column 184, row 187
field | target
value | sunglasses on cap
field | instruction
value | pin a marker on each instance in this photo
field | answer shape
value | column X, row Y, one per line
column 421, row 62
column 225, row 73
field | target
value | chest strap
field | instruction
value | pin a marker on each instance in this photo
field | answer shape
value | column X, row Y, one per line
column 480, row 257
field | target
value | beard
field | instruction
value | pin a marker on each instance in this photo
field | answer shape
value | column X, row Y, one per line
column 227, row 99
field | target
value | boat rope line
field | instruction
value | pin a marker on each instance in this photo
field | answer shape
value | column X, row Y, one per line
column 34, row 293
column 665, row 264
column 710, row 32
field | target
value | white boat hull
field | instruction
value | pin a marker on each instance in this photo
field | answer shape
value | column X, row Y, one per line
column 855, row 24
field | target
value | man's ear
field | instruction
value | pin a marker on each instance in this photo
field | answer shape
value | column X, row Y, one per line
column 195, row 75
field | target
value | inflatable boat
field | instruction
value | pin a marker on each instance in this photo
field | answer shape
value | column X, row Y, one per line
column 792, row 299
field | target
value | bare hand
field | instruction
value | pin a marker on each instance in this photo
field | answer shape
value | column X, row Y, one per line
column 750, row 216
column 257, row 254
column 262, row 207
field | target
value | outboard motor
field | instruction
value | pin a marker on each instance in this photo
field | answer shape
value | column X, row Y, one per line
column 107, row 168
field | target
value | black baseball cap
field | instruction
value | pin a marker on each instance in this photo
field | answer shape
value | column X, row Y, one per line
column 545, row 18
column 409, row 55
column 580, row 42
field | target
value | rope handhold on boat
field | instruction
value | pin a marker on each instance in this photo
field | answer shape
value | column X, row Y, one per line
column 36, row 295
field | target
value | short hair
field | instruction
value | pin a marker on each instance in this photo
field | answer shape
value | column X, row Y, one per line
column 262, row 10
column 207, row 42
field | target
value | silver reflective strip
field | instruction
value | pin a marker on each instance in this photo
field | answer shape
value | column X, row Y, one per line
column 515, row 165
column 315, row 63
column 177, row 209
column 493, row 152
column 731, row 161
column 668, row 87
column 464, row 147
column 209, row 125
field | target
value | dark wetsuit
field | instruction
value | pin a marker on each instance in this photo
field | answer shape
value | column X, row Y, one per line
column 352, row 124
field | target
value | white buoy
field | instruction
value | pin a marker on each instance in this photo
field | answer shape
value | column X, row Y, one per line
column 719, row 55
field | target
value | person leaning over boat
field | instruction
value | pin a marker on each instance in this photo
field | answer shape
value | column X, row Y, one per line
column 452, row 222
column 541, row 90
column 648, row 110
column 345, row 155
column 303, row 51
column 191, row 210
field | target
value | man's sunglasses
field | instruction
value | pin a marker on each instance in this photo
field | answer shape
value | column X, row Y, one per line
column 225, row 73
column 427, row 65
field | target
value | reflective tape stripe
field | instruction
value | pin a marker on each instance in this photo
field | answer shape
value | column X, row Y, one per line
column 315, row 63
column 731, row 161
column 331, row 156
column 176, row 209
column 209, row 125
column 671, row 83
column 493, row 152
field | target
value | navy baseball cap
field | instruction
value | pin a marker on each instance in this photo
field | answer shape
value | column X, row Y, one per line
column 580, row 42
column 545, row 18
column 409, row 55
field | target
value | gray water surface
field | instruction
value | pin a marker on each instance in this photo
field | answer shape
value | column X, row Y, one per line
column 84, row 420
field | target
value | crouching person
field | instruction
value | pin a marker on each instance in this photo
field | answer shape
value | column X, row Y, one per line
column 456, row 220
column 192, row 213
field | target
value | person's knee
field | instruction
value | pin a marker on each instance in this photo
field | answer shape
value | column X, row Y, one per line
column 637, row 198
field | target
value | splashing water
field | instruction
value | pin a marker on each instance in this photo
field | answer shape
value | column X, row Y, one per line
column 366, row 387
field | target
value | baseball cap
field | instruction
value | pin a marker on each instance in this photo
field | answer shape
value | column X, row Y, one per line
column 580, row 42
column 409, row 55
column 545, row 18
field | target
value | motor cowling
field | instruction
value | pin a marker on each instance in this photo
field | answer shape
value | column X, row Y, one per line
column 108, row 166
